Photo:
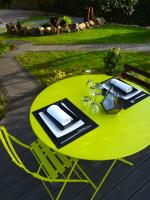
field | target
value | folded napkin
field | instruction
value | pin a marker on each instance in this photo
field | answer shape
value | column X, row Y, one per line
column 122, row 86
column 62, row 117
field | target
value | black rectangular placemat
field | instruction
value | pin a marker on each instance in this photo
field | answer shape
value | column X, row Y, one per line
column 71, row 136
column 131, row 101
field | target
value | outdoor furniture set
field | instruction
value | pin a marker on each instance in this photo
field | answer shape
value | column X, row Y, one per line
column 69, row 129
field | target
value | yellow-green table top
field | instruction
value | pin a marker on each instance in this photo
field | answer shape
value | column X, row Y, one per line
column 117, row 136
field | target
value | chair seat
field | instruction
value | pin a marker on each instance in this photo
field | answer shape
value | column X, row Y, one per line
column 53, row 163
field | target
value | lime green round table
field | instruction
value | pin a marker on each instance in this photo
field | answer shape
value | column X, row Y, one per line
column 117, row 136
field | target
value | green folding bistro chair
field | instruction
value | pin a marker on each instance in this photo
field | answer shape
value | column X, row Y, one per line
column 51, row 163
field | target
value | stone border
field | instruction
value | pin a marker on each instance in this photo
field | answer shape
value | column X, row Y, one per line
column 15, row 28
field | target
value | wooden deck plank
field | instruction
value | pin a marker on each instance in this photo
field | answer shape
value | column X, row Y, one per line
column 19, row 188
column 143, row 193
column 131, row 183
column 117, row 175
column 37, row 192
column 16, row 185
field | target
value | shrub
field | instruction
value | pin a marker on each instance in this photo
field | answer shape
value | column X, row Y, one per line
column 67, row 19
column 46, row 25
column 6, row 46
column 141, row 15
column 111, row 59
column 3, row 108
column 116, row 10
column 25, row 23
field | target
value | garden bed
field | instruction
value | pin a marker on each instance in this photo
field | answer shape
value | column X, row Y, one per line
column 55, row 25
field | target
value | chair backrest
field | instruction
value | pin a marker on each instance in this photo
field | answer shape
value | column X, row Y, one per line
column 127, row 73
column 6, row 139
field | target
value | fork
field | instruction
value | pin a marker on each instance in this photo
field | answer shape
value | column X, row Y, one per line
column 132, row 101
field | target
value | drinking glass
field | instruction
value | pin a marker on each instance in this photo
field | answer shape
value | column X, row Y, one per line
column 86, row 102
column 94, row 91
column 89, row 84
column 99, row 92
column 95, row 107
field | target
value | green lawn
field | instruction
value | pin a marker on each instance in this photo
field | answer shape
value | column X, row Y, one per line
column 49, row 67
column 2, row 30
column 105, row 35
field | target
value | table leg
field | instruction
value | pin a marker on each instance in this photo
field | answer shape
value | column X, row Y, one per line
column 102, row 181
column 126, row 161
column 109, row 170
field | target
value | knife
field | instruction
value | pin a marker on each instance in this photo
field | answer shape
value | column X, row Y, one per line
column 132, row 101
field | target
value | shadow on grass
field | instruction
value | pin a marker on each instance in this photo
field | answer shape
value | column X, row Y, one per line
column 116, row 35
column 45, row 65
column 131, row 38
column 72, row 63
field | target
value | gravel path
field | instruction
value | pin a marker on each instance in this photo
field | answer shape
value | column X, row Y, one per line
column 23, row 47
column 21, row 89
column 13, row 15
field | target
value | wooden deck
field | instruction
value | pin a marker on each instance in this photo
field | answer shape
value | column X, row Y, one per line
column 124, row 182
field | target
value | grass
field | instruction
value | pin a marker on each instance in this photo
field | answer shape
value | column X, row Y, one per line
column 34, row 18
column 107, row 34
column 31, row 20
column 2, row 30
column 2, row 106
column 6, row 46
column 49, row 67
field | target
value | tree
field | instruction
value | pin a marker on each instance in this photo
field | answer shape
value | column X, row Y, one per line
column 141, row 15
column 117, row 10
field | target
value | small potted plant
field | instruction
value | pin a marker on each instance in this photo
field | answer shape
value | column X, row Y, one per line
column 111, row 60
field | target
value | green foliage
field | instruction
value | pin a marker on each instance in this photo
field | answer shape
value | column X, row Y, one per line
column 2, row 30
column 116, row 10
column 67, row 19
column 46, row 25
column 25, row 4
column 141, row 15
column 2, row 106
column 25, row 23
column 112, row 10
column 111, row 60
column 6, row 46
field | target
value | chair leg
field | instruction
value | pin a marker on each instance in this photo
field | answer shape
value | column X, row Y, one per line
column 64, row 185
column 48, row 190
column 77, row 174
column 87, row 177
column 102, row 181
column 126, row 161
